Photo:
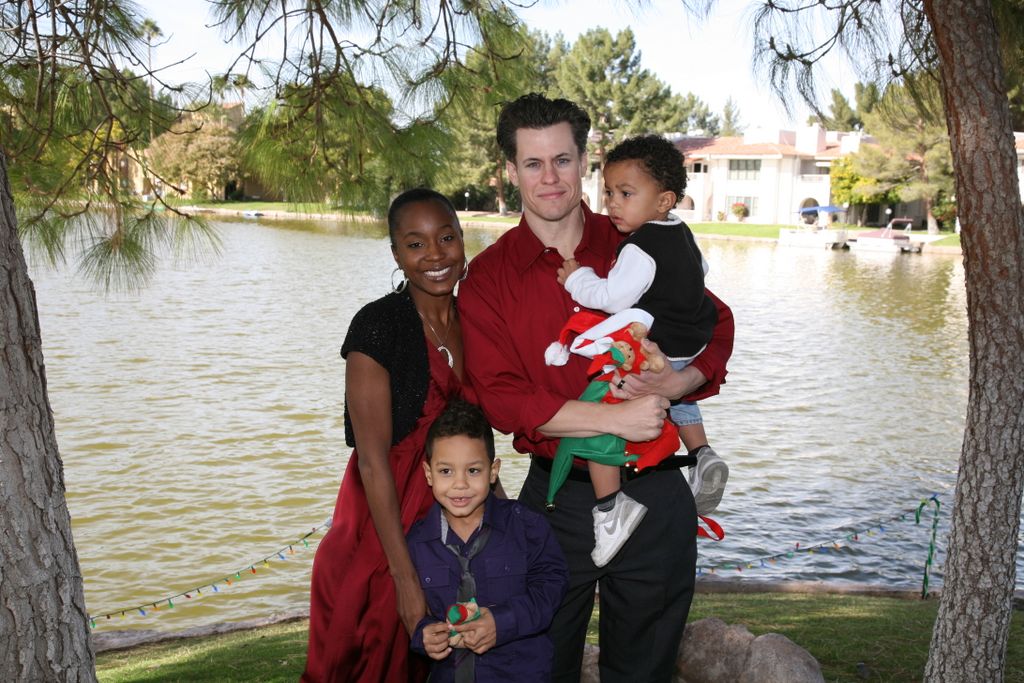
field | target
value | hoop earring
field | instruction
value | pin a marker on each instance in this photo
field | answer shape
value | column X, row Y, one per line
column 400, row 287
column 465, row 271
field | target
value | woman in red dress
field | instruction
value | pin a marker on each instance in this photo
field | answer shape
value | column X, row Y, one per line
column 403, row 363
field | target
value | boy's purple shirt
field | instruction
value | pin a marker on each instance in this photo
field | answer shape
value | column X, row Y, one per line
column 521, row 577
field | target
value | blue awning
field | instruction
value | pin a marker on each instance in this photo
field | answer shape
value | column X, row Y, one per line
column 822, row 209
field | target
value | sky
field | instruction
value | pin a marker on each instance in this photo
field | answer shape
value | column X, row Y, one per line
column 711, row 58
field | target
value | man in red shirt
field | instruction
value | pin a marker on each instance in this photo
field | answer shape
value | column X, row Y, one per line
column 511, row 307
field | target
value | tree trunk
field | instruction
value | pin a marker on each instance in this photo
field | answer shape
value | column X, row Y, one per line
column 44, row 629
column 931, row 221
column 502, row 202
column 971, row 631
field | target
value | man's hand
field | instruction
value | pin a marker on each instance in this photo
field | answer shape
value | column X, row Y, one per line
column 569, row 267
column 435, row 640
column 412, row 606
column 669, row 383
column 481, row 634
column 639, row 419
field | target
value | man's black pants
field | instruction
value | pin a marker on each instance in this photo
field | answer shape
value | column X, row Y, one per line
column 646, row 589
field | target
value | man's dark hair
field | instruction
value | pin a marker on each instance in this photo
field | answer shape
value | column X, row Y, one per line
column 660, row 158
column 414, row 196
column 461, row 418
column 535, row 111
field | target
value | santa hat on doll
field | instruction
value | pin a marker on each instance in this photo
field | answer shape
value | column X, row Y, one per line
column 591, row 334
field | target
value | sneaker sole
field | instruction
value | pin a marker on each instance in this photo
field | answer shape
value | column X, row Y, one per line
column 712, row 478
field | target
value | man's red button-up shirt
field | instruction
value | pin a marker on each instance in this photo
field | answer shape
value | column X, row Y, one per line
column 511, row 308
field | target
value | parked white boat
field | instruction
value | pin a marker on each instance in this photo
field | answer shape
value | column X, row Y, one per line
column 887, row 239
column 813, row 236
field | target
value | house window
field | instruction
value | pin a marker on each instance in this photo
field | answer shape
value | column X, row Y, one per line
column 699, row 167
column 812, row 167
column 744, row 169
column 750, row 202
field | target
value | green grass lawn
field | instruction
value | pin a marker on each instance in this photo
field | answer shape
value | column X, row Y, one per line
column 948, row 241
column 888, row 637
column 467, row 216
column 274, row 653
column 290, row 207
column 738, row 229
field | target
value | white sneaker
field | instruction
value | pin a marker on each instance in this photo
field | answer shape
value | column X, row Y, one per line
column 707, row 480
column 612, row 528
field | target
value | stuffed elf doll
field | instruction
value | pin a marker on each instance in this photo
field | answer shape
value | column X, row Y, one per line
column 461, row 613
column 613, row 344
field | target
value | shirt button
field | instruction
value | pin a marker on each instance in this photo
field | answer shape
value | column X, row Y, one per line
column 575, row 309
column 427, row 580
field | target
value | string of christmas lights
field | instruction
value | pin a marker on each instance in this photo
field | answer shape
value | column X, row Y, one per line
column 836, row 544
column 211, row 586
column 931, row 543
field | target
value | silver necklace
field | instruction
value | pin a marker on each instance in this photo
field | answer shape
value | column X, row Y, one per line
column 441, row 342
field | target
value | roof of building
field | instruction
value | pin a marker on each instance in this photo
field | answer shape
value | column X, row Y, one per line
column 704, row 148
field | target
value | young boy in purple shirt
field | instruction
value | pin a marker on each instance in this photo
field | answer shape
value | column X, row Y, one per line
column 496, row 551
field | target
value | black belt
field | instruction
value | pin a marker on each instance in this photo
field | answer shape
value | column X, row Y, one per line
column 673, row 462
column 575, row 473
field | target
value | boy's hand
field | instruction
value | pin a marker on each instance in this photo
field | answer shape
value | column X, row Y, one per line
column 569, row 267
column 481, row 634
column 435, row 640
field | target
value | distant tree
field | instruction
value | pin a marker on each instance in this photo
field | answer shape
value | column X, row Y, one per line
column 842, row 116
column 699, row 117
column 545, row 53
column 866, row 96
column 202, row 156
column 349, row 155
column 222, row 84
column 329, row 86
column 603, row 75
column 912, row 157
column 731, row 119
column 850, row 188
column 474, row 162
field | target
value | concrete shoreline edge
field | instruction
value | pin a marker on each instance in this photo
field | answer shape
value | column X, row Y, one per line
column 109, row 641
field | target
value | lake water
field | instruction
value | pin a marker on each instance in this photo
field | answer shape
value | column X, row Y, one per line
column 200, row 420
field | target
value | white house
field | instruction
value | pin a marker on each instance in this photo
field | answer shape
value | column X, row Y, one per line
column 774, row 173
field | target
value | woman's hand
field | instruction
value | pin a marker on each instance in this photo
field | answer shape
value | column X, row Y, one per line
column 412, row 605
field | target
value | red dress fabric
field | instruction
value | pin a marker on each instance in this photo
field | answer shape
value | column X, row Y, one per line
column 354, row 630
